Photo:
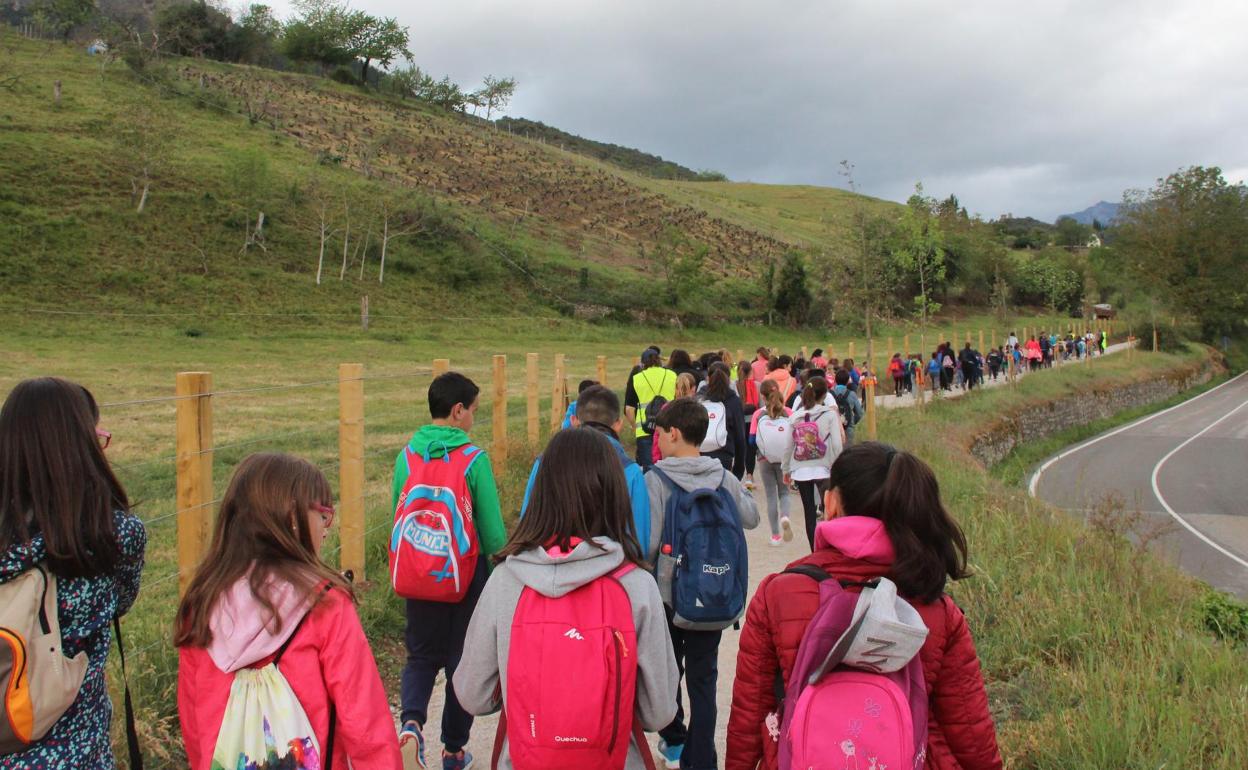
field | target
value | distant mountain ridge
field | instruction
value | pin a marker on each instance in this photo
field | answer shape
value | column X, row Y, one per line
column 1103, row 212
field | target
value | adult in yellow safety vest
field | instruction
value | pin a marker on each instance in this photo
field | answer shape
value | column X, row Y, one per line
column 645, row 384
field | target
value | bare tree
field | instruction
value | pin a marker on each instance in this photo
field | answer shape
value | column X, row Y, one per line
column 249, row 178
column 142, row 143
column 404, row 223
column 322, row 203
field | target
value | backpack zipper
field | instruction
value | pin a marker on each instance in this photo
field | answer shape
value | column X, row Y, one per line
column 617, row 643
column 21, row 650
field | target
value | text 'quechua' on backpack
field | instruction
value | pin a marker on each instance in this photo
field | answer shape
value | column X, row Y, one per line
column 703, row 562
column 856, row 697
column 434, row 545
column 583, row 717
column 39, row 682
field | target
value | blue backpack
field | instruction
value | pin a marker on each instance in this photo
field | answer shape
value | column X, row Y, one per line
column 703, row 563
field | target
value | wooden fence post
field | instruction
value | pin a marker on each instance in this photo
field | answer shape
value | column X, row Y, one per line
column 351, row 468
column 869, row 383
column 364, row 312
column 740, row 355
column 558, row 392
column 906, row 344
column 981, row 341
column 498, row 451
column 194, row 470
column 530, row 392
column 805, row 354
column 602, row 370
column 441, row 366
column 890, row 350
column 851, row 349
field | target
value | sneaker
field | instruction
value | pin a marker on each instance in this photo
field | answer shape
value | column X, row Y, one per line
column 787, row 527
column 748, row 483
column 671, row 754
column 460, row 761
column 776, row 540
column 412, row 746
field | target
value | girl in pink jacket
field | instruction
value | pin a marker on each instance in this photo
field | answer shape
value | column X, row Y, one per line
column 262, row 593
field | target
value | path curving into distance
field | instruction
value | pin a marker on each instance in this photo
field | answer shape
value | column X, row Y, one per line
column 1186, row 466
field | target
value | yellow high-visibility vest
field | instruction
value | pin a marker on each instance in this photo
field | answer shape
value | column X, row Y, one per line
column 648, row 383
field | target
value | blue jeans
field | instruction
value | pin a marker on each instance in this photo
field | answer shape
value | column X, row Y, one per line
column 645, row 448
column 697, row 658
column 435, row 641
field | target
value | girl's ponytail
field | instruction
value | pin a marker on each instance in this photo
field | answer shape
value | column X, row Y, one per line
column 813, row 393
column 772, row 400
column 898, row 488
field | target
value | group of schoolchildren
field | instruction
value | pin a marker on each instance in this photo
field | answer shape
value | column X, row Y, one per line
column 618, row 580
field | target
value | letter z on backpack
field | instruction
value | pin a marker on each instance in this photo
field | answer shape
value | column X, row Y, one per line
column 589, row 633
column 434, row 545
column 39, row 683
column 703, row 563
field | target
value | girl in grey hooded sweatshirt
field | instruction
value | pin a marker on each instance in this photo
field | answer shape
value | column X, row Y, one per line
column 578, row 527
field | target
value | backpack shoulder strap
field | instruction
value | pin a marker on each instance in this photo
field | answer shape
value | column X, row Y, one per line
column 809, row 570
column 132, row 733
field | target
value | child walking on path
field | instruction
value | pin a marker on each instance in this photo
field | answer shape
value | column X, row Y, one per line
column 262, row 595
column 574, row 538
column 771, row 437
column 817, row 440
column 885, row 519
column 681, row 429
column 436, row 626
column 62, row 510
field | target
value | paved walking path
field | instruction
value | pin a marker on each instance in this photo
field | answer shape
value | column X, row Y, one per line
column 764, row 560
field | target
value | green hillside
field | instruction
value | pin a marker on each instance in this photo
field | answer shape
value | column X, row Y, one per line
column 497, row 220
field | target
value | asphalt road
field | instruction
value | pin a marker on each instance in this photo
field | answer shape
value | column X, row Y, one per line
column 1185, row 468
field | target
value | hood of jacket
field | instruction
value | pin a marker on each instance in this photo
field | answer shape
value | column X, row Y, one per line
column 554, row 573
column 242, row 631
column 861, row 538
column 433, row 441
column 690, row 473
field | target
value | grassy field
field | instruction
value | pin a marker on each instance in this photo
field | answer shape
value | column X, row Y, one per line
column 1046, row 623
column 1097, row 653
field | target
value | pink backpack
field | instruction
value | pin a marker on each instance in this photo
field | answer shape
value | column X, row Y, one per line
column 808, row 444
column 842, row 717
column 433, row 545
column 572, row 680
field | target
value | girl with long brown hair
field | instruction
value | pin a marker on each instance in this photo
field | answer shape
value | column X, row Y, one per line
column 885, row 518
column 577, row 529
column 771, row 441
column 62, row 510
column 818, row 438
column 263, row 591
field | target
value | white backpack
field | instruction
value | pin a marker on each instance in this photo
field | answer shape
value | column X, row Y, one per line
column 716, row 427
column 774, row 438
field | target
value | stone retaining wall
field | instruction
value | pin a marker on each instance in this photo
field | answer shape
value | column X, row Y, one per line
column 994, row 444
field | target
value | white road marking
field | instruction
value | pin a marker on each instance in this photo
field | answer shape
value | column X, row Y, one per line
column 1035, row 477
column 1174, row 514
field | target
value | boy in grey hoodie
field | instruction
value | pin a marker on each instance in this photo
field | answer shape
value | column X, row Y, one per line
column 681, row 426
column 577, row 529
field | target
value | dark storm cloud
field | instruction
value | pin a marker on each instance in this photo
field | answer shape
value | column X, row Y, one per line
column 1034, row 108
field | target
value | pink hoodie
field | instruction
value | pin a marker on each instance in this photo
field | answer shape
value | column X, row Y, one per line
column 861, row 538
column 328, row 660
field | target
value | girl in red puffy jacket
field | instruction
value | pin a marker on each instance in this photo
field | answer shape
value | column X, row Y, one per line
column 262, row 592
column 884, row 519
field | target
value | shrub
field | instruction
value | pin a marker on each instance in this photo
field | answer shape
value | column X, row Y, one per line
column 1226, row 617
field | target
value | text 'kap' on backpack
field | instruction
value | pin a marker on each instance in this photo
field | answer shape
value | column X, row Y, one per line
column 39, row 682
column 589, row 634
column 703, row 562
column 856, row 696
column 434, row 545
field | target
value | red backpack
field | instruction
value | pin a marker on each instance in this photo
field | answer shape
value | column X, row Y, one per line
column 572, row 680
column 433, row 545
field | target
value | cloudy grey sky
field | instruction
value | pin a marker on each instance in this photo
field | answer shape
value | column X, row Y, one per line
column 1037, row 108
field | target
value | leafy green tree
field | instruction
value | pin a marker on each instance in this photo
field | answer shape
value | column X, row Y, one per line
column 496, row 94
column 793, row 299
column 1184, row 244
column 253, row 38
column 919, row 250
column 322, row 33
column 1051, row 278
column 380, row 40
column 192, row 29
column 1071, row 233
column 62, row 16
